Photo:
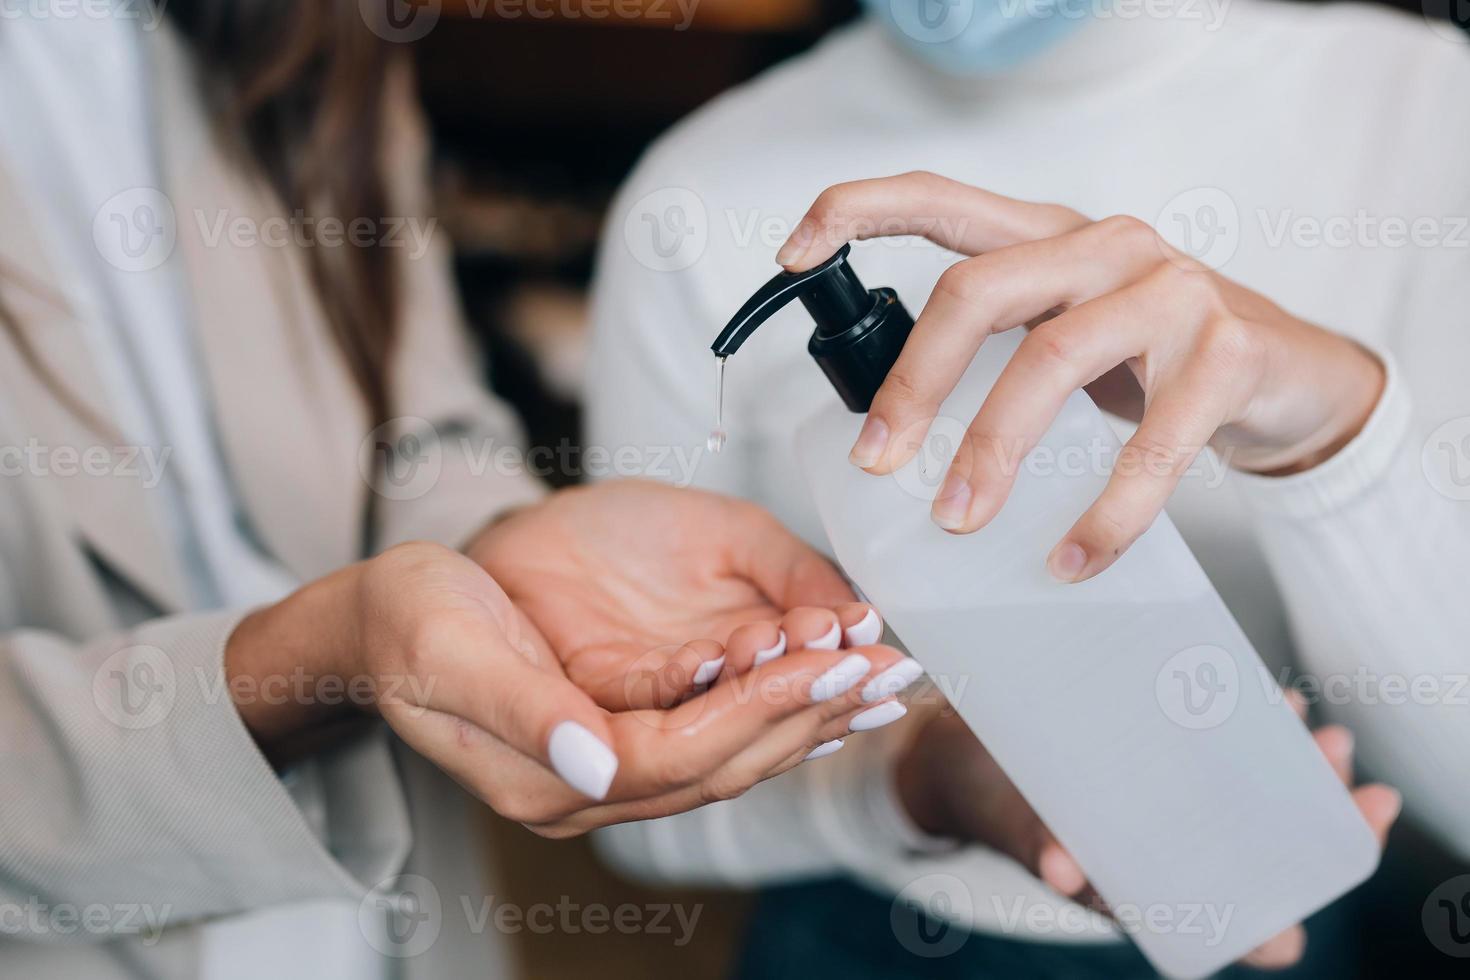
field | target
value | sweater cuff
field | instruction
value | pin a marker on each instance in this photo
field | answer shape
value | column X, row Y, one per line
column 864, row 815
column 1335, row 482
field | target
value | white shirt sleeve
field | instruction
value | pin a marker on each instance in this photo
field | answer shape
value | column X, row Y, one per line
column 1371, row 552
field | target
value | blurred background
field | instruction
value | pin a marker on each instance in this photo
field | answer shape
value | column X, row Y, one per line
column 536, row 121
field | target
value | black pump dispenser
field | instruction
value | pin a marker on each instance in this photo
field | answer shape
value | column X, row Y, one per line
column 859, row 331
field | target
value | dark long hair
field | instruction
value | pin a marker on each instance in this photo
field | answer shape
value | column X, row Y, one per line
column 296, row 92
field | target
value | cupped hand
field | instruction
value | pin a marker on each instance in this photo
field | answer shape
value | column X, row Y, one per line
column 471, row 683
column 1153, row 336
column 648, row 592
column 952, row 787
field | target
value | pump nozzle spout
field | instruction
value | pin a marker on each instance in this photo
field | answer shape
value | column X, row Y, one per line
column 831, row 291
column 859, row 332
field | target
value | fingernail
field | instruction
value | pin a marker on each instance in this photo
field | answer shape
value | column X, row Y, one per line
column 708, row 670
column 878, row 716
column 1398, row 804
column 582, row 760
column 841, row 678
column 870, row 443
column 1066, row 561
column 771, row 653
column 952, row 504
column 831, row 641
column 826, row 748
column 864, row 631
column 892, row 680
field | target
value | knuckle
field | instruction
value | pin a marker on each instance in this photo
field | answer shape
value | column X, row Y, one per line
column 1126, row 231
column 675, row 769
column 722, row 786
column 1053, row 344
column 1230, row 342
column 964, row 281
column 900, row 387
column 1107, row 533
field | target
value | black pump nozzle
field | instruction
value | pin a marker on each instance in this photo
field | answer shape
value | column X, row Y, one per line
column 859, row 331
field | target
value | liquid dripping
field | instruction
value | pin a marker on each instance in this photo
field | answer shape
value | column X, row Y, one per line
column 717, row 435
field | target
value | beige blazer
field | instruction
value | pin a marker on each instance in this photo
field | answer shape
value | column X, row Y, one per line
column 129, row 790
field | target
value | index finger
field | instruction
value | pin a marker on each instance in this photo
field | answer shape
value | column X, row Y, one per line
column 948, row 213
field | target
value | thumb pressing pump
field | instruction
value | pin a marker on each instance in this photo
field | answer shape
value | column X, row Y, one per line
column 1129, row 709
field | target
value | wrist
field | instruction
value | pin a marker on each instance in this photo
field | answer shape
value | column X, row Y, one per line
column 1349, row 384
column 920, row 789
column 293, row 668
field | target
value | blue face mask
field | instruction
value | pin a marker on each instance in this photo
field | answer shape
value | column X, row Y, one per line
column 977, row 37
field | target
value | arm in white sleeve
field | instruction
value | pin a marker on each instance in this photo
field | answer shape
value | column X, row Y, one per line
column 127, row 779
column 1371, row 552
column 832, row 815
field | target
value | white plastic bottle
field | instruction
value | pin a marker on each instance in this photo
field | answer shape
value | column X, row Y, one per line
column 1129, row 709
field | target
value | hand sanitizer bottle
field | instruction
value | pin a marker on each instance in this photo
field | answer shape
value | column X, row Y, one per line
column 1129, row 709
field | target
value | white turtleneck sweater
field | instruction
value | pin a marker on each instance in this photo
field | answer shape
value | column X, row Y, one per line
column 1330, row 143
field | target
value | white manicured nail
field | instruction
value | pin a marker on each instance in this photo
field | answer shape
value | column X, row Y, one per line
column 581, row 758
column 708, row 670
column 831, row 641
column 865, row 631
column 841, row 678
column 877, row 717
column 762, row 656
column 892, row 680
column 826, row 748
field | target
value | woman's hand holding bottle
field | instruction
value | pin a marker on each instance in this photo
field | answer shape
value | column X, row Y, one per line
column 1153, row 336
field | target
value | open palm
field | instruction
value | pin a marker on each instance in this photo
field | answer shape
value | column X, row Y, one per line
column 638, row 587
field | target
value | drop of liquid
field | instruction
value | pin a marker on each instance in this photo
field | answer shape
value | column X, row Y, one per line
column 717, row 435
